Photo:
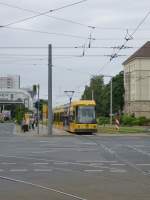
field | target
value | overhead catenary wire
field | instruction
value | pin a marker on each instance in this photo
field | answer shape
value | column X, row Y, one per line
column 66, row 47
column 62, row 34
column 42, row 13
column 45, row 55
column 68, row 20
column 115, row 55
column 134, row 31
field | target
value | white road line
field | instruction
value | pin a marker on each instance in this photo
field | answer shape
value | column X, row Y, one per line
column 40, row 163
column 42, row 187
column 79, row 163
column 143, row 164
column 88, row 143
column 125, row 161
column 138, row 145
column 109, row 150
column 118, row 164
column 7, row 163
column 42, row 170
column 97, row 161
column 96, row 164
column 18, row 170
column 118, row 170
column 92, row 170
column 41, row 152
column 139, row 150
column 85, row 150
column 60, row 163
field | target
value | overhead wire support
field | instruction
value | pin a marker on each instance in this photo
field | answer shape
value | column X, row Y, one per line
column 130, row 36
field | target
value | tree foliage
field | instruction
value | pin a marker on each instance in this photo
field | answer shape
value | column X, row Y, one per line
column 102, row 94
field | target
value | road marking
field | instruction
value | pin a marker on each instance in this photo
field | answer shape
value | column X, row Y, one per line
column 7, row 163
column 138, row 145
column 139, row 150
column 18, row 170
column 1, row 170
column 42, row 187
column 109, row 150
column 85, row 150
column 49, row 151
column 127, row 162
column 97, row 161
column 88, row 143
column 118, row 164
column 40, row 163
column 77, row 162
column 92, row 170
column 42, row 170
column 118, row 170
column 96, row 164
column 60, row 163
column 143, row 164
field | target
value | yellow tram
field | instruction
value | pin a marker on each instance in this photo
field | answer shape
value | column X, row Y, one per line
column 76, row 118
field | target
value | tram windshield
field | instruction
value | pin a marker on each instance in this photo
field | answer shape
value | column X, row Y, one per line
column 86, row 114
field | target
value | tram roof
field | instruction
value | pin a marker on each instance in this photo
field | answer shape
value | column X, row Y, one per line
column 83, row 102
column 76, row 103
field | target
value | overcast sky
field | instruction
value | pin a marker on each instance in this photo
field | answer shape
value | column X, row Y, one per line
column 111, row 19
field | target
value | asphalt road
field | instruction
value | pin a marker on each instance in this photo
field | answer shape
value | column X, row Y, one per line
column 73, row 167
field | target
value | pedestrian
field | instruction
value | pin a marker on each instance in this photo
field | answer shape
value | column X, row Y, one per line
column 36, row 121
column 32, row 123
column 23, row 125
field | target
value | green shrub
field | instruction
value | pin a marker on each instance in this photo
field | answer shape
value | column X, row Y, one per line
column 127, row 120
column 133, row 121
column 103, row 120
column 143, row 121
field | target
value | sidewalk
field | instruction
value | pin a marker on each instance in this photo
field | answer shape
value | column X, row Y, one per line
column 43, row 131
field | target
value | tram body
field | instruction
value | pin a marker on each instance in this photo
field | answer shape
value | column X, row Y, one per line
column 78, row 117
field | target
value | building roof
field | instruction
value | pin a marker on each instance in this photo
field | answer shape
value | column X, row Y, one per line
column 143, row 52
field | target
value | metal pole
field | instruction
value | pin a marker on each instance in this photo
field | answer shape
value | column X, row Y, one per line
column 111, row 102
column 38, row 108
column 92, row 94
column 69, row 109
column 50, row 90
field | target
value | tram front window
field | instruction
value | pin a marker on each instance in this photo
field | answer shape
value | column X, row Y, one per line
column 86, row 114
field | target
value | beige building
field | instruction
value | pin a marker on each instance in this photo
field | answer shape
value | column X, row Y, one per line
column 137, row 82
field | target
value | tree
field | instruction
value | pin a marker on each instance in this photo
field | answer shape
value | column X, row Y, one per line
column 102, row 94
column 118, row 92
column 97, row 85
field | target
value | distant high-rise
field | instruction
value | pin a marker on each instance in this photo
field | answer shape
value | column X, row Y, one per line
column 10, row 82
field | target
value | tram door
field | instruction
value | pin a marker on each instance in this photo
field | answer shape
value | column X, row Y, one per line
column 66, row 121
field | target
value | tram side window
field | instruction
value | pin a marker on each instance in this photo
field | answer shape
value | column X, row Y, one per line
column 54, row 117
column 61, row 117
column 57, row 117
column 72, row 116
